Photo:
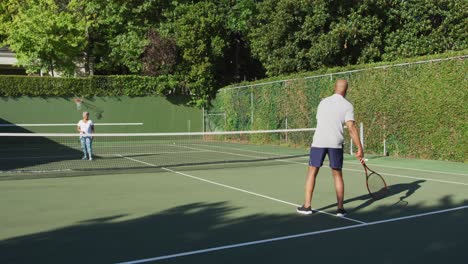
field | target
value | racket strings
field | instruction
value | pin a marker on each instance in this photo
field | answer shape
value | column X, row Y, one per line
column 376, row 185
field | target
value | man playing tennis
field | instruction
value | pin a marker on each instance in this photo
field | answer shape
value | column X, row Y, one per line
column 332, row 113
column 86, row 128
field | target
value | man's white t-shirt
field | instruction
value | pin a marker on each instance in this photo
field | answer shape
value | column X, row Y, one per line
column 332, row 113
column 86, row 127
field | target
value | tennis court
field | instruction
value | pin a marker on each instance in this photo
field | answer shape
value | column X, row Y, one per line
column 208, row 200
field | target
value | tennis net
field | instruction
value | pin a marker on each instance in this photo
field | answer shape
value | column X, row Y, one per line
column 36, row 153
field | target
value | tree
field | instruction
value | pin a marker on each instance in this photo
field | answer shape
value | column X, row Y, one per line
column 207, row 44
column 159, row 56
column 238, row 61
column 276, row 35
column 117, row 32
column 426, row 27
column 352, row 33
column 200, row 36
column 8, row 9
column 292, row 36
column 43, row 37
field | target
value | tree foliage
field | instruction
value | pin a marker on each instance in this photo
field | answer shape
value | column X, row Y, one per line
column 43, row 37
column 207, row 44
column 290, row 36
column 159, row 56
column 425, row 27
column 419, row 109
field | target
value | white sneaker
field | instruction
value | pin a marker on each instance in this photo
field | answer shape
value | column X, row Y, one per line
column 341, row 212
column 304, row 210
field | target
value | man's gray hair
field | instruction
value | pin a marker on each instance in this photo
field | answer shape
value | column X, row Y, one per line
column 85, row 113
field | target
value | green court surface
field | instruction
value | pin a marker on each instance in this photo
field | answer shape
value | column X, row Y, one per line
column 237, row 213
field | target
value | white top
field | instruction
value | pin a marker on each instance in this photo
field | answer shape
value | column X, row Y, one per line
column 332, row 113
column 85, row 127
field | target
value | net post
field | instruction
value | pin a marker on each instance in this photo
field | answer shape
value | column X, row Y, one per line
column 203, row 119
column 225, row 122
column 361, row 134
column 286, row 127
column 251, row 108
column 384, row 147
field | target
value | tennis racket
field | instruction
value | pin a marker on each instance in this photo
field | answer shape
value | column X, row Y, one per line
column 375, row 183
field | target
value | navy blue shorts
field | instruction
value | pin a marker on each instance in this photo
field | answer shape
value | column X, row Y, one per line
column 335, row 155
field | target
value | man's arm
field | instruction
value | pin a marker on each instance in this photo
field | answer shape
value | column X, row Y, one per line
column 78, row 129
column 353, row 132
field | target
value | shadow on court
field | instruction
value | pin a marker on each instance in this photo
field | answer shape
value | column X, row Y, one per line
column 29, row 153
column 205, row 225
column 109, row 165
column 403, row 190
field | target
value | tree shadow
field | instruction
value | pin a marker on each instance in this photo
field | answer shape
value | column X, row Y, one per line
column 195, row 226
column 178, row 99
column 94, row 109
column 27, row 153
column 181, row 228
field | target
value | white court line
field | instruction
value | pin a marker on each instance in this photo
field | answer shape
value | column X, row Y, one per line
column 237, row 189
column 416, row 178
column 70, row 124
column 302, row 163
column 263, row 241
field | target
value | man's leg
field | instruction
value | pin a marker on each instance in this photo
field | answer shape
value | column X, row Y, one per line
column 310, row 185
column 315, row 162
column 339, row 186
column 336, row 163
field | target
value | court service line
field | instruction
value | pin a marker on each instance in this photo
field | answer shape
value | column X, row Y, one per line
column 402, row 168
column 238, row 189
column 303, row 163
column 416, row 178
column 308, row 234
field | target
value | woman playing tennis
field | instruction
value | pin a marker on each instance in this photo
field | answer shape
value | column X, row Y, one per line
column 86, row 128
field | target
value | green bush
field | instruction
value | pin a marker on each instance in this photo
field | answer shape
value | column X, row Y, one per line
column 419, row 109
column 93, row 86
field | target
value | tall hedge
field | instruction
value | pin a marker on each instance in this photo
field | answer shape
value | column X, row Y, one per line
column 420, row 110
column 93, row 86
